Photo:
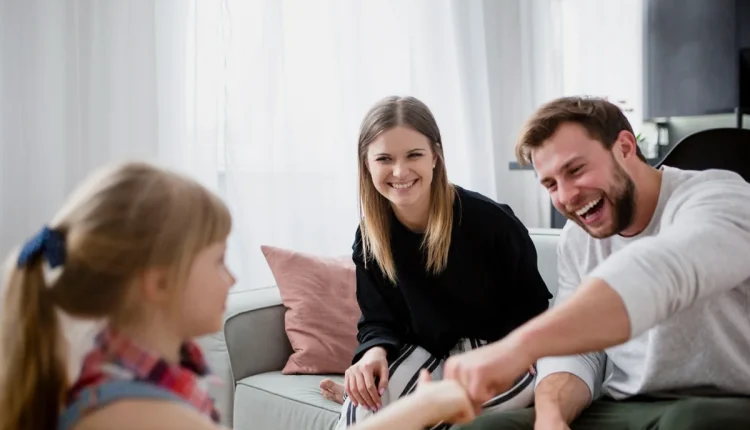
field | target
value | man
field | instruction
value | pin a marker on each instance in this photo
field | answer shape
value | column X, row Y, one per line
column 651, row 326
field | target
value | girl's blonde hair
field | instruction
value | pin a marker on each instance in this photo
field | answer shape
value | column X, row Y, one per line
column 120, row 222
column 375, row 210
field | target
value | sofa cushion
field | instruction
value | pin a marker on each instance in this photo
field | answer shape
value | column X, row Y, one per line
column 323, row 342
column 274, row 401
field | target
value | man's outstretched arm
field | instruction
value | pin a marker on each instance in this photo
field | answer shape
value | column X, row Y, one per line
column 592, row 319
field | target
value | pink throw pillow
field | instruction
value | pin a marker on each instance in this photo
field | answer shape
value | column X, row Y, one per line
column 322, row 311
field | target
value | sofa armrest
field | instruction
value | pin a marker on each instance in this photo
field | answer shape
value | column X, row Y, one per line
column 254, row 332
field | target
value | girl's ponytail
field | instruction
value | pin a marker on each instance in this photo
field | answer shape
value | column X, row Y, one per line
column 33, row 378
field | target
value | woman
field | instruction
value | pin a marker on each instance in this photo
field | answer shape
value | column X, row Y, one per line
column 440, row 269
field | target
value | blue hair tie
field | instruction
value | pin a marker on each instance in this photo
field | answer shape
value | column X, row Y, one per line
column 47, row 242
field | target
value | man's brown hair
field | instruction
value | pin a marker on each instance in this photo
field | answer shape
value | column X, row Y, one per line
column 602, row 120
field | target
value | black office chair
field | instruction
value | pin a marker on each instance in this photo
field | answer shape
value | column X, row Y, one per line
column 718, row 148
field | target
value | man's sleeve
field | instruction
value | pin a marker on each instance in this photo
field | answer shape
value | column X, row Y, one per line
column 588, row 367
column 703, row 249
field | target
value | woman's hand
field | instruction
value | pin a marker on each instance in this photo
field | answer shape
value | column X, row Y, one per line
column 359, row 379
column 445, row 400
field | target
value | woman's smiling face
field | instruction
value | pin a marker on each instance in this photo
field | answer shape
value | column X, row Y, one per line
column 400, row 162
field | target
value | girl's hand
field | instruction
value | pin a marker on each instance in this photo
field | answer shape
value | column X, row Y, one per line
column 445, row 401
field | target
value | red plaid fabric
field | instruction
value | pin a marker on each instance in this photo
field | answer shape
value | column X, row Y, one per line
column 116, row 357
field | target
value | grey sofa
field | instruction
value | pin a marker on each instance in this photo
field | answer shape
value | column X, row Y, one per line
column 253, row 348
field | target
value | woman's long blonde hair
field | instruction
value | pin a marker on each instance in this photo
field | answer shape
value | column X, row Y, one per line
column 375, row 210
column 121, row 221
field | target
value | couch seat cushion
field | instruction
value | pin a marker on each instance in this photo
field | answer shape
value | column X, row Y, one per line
column 272, row 401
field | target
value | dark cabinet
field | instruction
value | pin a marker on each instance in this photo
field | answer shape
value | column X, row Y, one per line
column 691, row 55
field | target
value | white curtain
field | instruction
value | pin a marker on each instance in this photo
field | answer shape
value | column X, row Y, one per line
column 79, row 86
column 588, row 61
column 261, row 100
column 294, row 79
column 525, row 70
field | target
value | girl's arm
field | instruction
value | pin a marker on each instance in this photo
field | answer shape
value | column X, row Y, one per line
column 432, row 403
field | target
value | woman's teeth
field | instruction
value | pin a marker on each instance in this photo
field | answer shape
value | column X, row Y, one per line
column 403, row 185
column 588, row 207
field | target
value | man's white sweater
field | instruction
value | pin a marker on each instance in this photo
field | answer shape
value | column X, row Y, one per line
column 685, row 282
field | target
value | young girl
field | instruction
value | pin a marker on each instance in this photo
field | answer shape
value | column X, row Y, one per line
column 142, row 249
column 440, row 269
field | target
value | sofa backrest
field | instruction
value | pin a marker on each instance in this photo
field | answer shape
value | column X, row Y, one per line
column 258, row 314
column 254, row 341
column 545, row 241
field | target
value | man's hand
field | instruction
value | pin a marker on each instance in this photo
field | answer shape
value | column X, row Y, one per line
column 490, row 370
column 593, row 319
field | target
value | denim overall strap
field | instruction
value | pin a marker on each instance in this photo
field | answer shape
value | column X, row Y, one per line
column 99, row 396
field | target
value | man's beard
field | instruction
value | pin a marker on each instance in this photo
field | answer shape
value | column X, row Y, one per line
column 624, row 202
column 621, row 197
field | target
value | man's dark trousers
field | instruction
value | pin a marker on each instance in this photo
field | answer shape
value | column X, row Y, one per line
column 694, row 413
